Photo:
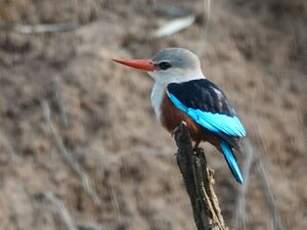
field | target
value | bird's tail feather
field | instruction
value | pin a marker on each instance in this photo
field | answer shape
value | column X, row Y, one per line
column 231, row 161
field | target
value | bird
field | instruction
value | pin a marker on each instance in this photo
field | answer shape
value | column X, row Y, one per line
column 181, row 92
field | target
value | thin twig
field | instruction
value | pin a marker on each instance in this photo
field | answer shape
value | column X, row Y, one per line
column 199, row 181
column 206, row 23
column 240, row 215
column 268, row 194
column 58, row 99
column 250, row 149
column 240, row 210
column 90, row 226
column 269, row 197
column 39, row 28
column 60, row 209
column 205, row 27
column 74, row 165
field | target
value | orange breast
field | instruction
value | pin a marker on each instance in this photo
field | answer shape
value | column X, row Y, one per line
column 171, row 118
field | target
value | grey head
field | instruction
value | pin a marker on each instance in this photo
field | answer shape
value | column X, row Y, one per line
column 177, row 58
column 176, row 65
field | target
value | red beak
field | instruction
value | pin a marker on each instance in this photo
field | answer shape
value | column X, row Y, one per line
column 142, row 64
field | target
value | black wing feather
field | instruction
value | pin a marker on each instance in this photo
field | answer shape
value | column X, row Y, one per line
column 205, row 95
column 202, row 94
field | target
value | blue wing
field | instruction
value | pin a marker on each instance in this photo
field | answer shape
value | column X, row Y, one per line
column 231, row 161
column 206, row 105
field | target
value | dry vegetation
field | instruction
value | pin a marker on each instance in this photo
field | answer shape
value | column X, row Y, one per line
column 101, row 114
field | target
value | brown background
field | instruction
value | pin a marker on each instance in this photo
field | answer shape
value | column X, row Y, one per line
column 254, row 50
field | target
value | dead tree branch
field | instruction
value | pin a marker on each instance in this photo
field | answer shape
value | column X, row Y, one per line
column 57, row 97
column 253, row 157
column 60, row 209
column 240, row 210
column 199, row 181
column 269, row 197
column 73, row 164
column 39, row 28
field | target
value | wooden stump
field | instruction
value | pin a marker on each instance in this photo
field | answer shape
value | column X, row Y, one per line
column 199, row 181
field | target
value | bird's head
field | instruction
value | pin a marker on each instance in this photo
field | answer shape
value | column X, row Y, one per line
column 168, row 65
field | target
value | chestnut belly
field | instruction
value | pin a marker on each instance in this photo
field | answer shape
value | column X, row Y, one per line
column 171, row 118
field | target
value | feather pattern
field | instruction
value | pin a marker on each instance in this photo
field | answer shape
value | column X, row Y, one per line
column 231, row 161
column 215, row 122
column 207, row 106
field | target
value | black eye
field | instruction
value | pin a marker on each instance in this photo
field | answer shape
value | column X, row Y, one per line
column 164, row 65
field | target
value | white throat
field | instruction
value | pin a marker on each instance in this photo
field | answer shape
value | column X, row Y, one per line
column 159, row 88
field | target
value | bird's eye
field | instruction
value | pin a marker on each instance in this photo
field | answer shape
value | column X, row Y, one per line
column 164, row 65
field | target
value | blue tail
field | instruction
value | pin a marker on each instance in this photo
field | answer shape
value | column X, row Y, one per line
column 231, row 161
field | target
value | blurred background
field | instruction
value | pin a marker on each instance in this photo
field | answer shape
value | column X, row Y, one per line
column 80, row 147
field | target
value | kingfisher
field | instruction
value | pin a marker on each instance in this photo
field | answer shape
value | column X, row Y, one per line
column 181, row 92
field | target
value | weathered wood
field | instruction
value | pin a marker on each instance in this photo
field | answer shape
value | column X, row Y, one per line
column 199, row 181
